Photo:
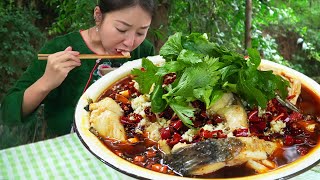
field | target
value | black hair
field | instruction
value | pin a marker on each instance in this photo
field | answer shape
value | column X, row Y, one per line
column 113, row 5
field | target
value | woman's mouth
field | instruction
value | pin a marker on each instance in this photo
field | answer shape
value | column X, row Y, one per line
column 123, row 52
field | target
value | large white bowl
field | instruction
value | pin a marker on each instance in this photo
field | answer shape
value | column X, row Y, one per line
column 99, row 150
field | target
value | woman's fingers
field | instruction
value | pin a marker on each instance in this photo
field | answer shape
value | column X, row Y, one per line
column 59, row 65
column 69, row 56
column 70, row 64
column 65, row 55
column 55, row 55
column 69, row 48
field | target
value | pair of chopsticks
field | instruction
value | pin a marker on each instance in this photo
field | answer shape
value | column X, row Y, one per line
column 88, row 56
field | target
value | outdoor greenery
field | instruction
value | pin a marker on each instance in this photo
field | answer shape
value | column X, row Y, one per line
column 19, row 41
column 284, row 31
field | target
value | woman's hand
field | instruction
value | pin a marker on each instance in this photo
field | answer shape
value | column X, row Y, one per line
column 58, row 66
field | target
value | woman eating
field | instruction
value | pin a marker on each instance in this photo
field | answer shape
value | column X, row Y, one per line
column 120, row 27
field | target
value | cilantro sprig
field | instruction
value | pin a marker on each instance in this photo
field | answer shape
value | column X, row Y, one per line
column 204, row 71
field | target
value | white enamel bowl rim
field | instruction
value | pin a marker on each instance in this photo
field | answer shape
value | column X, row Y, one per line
column 93, row 145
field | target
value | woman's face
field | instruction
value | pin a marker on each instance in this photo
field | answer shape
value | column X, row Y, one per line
column 124, row 30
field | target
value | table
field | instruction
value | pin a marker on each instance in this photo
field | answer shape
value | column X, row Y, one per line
column 61, row 158
column 66, row 158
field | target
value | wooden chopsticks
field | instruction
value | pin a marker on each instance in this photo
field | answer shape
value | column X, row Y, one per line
column 88, row 56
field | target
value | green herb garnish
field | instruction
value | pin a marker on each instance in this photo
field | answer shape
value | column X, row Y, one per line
column 204, row 71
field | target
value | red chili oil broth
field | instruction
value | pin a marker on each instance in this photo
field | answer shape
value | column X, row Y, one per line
column 110, row 90
column 308, row 103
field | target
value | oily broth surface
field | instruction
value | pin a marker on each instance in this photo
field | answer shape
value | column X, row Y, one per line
column 308, row 102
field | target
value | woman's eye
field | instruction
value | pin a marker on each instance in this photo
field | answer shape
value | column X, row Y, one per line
column 140, row 34
column 120, row 30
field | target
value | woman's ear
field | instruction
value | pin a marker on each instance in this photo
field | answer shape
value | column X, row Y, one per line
column 97, row 15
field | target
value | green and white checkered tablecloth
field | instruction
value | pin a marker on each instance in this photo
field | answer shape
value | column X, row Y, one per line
column 66, row 158
column 60, row 158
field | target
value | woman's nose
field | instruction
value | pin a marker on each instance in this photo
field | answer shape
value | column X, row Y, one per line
column 129, row 40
